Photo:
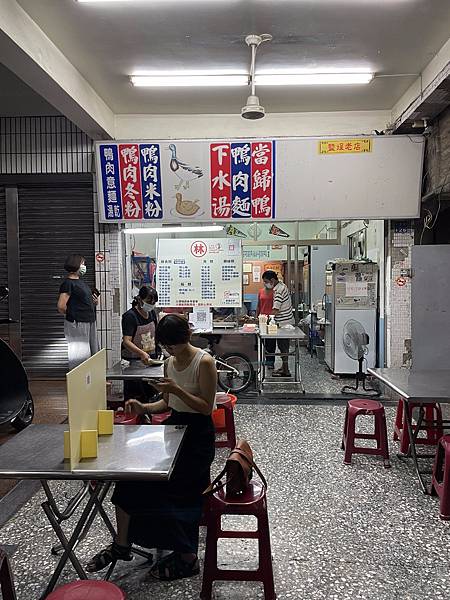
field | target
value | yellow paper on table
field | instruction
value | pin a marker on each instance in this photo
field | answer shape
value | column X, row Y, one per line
column 86, row 395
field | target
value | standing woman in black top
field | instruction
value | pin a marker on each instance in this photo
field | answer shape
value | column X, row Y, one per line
column 138, row 339
column 77, row 302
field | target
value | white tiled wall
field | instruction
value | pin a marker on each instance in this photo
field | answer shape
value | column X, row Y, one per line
column 398, row 307
column 108, row 281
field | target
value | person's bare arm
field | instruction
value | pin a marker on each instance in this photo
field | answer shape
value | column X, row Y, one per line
column 62, row 303
column 128, row 343
column 204, row 402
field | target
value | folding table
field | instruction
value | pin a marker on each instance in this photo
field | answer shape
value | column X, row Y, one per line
column 419, row 387
column 141, row 452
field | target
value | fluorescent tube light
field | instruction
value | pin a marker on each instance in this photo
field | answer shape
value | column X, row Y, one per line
column 175, row 229
column 193, row 80
column 313, row 78
column 215, row 79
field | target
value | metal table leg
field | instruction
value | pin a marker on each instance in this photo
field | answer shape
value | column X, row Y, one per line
column 412, row 443
column 97, row 496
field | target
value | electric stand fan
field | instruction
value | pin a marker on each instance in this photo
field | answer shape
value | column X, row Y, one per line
column 355, row 341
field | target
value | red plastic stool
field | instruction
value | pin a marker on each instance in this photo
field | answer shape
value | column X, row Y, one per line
column 88, row 588
column 226, row 404
column 158, row 419
column 252, row 502
column 123, row 418
column 432, row 425
column 365, row 407
column 440, row 484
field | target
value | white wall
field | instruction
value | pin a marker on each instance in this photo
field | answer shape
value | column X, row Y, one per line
column 276, row 125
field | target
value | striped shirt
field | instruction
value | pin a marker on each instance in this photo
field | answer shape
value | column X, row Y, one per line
column 282, row 302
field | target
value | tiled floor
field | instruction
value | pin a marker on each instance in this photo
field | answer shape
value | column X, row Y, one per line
column 338, row 532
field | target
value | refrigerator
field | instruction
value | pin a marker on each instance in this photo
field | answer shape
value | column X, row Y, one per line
column 351, row 302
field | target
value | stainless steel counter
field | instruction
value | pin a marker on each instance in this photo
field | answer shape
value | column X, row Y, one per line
column 136, row 370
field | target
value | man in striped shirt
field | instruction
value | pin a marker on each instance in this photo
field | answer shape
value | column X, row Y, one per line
column 282, row 309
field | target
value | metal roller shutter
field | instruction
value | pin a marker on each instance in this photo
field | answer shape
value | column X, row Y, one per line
column 54, row 222
column 3, row 262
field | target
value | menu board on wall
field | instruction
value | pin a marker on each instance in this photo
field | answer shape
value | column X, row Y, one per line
column 199, row 272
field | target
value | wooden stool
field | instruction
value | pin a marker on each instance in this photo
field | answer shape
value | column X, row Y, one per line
column 88, row 588
column 440, row 484
column 224, row 403
column 252, row 502
column 354, row 409
column 432, row 425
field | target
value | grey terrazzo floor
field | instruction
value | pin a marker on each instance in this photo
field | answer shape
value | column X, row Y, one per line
column 338, row 532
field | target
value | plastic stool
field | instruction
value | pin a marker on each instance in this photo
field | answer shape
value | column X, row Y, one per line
column 252, row 502
column 226, row 403
column 440, row 484
column 365, row 407
column 434, row 431
column 158, row 419
column 88, row 588
column 123, row 418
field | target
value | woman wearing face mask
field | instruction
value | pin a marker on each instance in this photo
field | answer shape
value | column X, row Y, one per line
column 167, row 514
column 138, row 341
column 77, row 303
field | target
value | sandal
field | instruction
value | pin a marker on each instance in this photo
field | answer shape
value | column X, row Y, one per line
column 108, row 555
column 173, row 567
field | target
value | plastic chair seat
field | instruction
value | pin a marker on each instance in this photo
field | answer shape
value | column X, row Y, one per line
column 88, row 589
column 440, row 484
column 253, row 503
column 357, row 408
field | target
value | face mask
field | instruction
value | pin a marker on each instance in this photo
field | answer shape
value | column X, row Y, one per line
column 268, row 286
column 147, row 307
column 82, row 270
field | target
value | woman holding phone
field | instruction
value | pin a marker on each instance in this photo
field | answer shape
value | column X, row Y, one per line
column 166, row 515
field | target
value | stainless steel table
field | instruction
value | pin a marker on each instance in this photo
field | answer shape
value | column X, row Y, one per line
column 144, row 452
column 296, row 335
column 135, row 371
column 421, row 388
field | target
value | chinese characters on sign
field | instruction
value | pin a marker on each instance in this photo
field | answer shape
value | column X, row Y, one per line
column 209, row 272
column 242, row 180
column 131, row 181
column 356, row 146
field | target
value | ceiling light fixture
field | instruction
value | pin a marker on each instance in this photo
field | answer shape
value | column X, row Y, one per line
column 189, row 80
column 174, row 229
column 217, row 79
column 313, row 78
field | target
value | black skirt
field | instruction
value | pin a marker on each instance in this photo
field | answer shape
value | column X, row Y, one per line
column 166, row 514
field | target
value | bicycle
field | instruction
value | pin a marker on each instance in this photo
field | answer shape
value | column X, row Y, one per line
column 235, row 372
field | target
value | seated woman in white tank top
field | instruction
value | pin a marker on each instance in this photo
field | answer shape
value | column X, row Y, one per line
column 166, row 515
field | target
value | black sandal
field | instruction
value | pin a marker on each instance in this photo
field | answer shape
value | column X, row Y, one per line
column 108, row 555
column 173, row 567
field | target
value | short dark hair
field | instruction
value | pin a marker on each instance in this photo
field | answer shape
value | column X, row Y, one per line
column 172, row 330
column 146, row 293
column 269, row 275
column 73, row 262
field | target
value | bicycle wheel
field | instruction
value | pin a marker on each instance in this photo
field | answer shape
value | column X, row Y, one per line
column 240, row 375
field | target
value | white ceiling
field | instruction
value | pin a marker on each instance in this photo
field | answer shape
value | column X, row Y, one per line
column 108, row 42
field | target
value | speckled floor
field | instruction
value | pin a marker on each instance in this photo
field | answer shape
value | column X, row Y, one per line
column 316, row 377
column 338, row 532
